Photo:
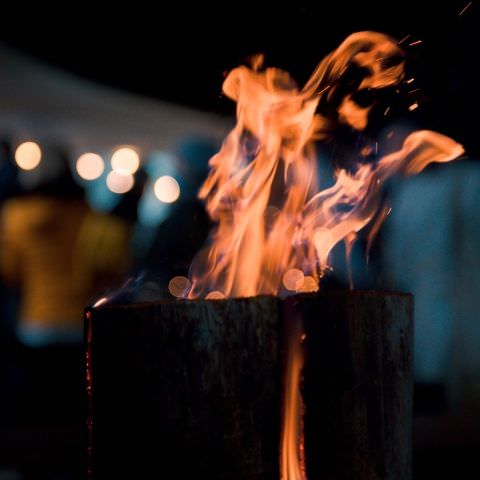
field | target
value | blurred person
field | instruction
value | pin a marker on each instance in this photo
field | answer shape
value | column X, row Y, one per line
column 59, row 254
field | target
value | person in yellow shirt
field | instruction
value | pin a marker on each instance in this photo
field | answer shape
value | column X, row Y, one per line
column 60, row 254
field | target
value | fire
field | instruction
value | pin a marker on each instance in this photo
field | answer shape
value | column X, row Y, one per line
column 262, row 188
column 275, row 229
column 292, row 459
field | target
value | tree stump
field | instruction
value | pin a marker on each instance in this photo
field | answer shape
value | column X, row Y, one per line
column 187, row 389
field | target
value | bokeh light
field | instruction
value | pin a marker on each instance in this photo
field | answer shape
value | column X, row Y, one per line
column 166, row 189
column 179, row 286
column 28, row 155
column 293, row 279
column 125, row 160
column 215, row 295
column 90, row 166
column 309, row 285
column 119, row 183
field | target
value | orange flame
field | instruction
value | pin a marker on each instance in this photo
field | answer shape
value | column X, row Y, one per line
column 262, row 188
column 292, row 459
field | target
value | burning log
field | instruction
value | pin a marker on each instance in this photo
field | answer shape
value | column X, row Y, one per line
column 194, row 389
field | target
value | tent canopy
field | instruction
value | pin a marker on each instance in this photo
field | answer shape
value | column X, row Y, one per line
column 40, row 102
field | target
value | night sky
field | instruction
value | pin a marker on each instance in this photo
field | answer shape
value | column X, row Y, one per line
column 181, row 52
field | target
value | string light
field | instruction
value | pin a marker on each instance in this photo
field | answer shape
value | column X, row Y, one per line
column 125, row 160
column 90, row 166
column 119, row 183
column 28, row 155
column 166, row 189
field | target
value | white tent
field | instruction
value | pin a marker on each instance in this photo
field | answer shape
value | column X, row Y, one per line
column 43, row 103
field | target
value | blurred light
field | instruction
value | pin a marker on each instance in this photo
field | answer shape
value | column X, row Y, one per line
column 215, row 295
column 293, row 279
column 90, row 166
column 179, row 286
column 28, row 155
column 309, row 285
column 166, row 189
column 119, row 183
column 125, row 160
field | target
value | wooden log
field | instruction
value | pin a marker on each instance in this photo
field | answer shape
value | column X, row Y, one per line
column 188, row 389
column 358, row 385
column 177, row 390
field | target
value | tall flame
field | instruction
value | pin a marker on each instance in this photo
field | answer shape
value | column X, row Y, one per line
column 262, row 188
column 276, row 230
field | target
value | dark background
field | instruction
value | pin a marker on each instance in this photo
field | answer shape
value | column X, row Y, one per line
column 180, row 52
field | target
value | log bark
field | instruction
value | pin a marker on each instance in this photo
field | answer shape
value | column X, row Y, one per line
column 194, row 388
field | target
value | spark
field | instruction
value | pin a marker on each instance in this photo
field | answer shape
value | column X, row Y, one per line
column 416, row 42
column 385, row 113
column 465, row 8
column 410, row 80
column 100, row 302
column 323, row 89
column 413, row 106
column 404, row 39
column 414, row 90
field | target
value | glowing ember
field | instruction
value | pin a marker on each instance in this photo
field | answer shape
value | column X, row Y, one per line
column 101, row 301
column 417, row 42
column 464, row 9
